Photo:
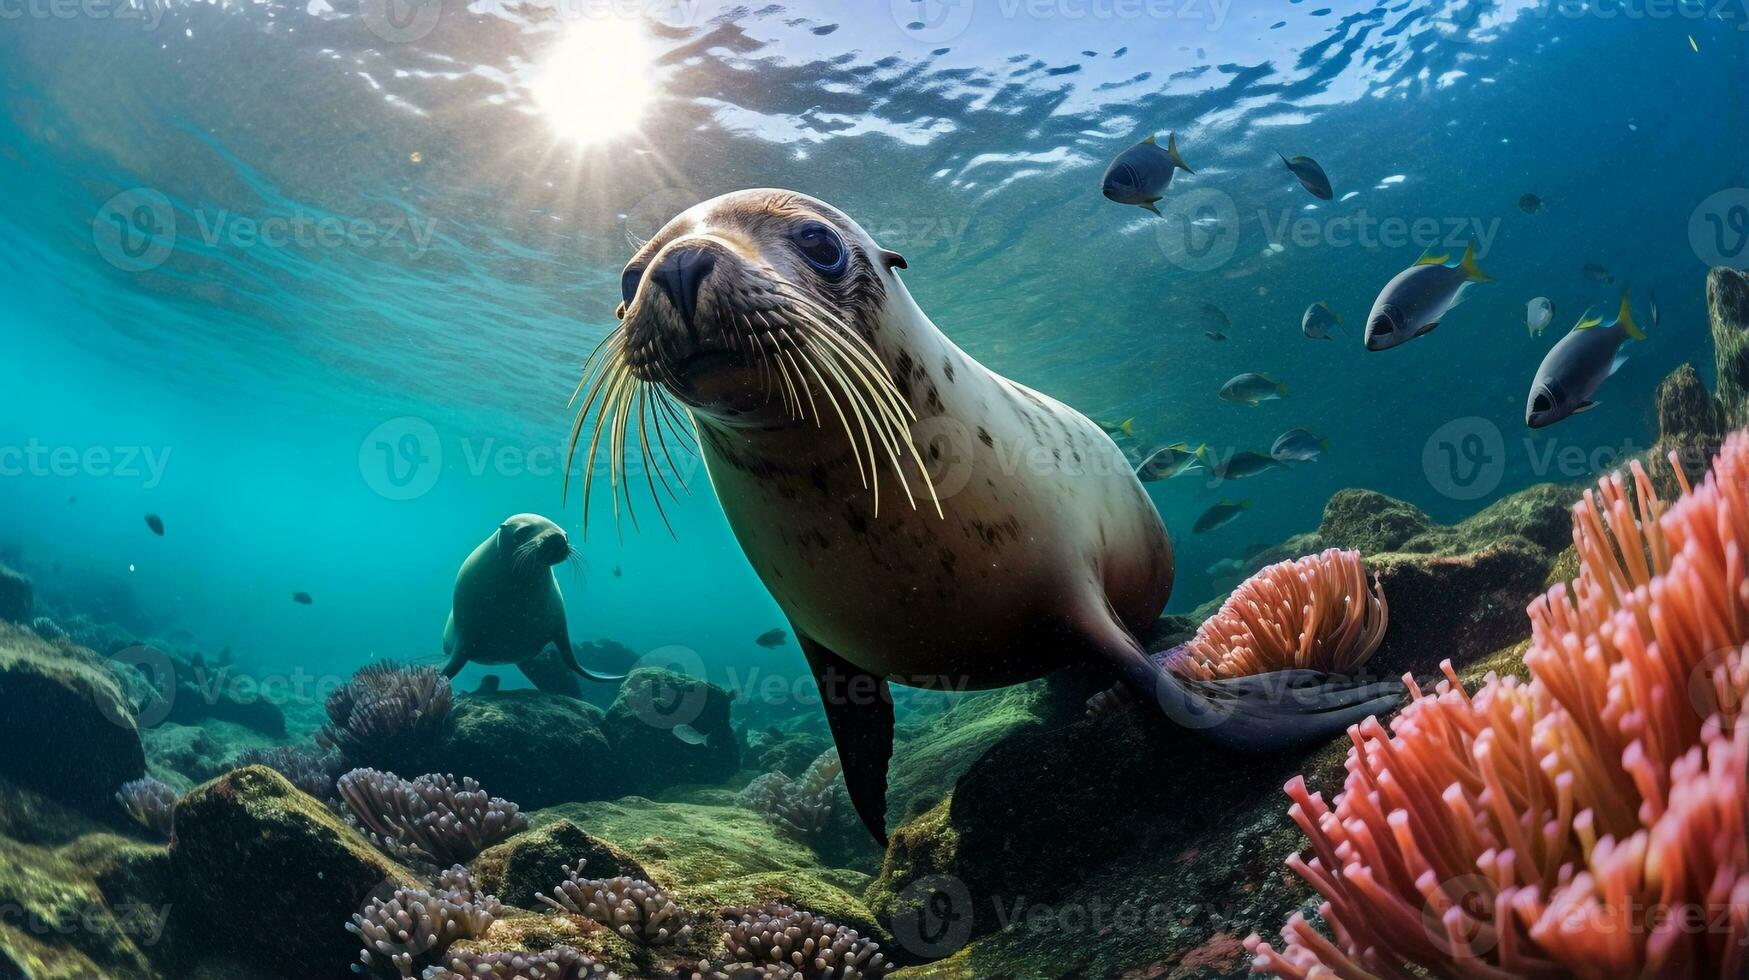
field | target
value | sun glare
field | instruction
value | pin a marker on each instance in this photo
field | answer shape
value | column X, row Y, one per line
column 597, row 81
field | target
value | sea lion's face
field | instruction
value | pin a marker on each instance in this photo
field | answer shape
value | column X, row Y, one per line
column 532, row 541
column 742, row 305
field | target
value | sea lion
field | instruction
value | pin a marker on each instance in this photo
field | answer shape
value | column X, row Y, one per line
column 816, row 388
column 508, row 609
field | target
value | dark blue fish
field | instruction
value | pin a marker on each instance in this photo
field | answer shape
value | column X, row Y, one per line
column 1311, row 176
column 156, row 523
column 1140, row 174
column 771, row 639
column 1578, row 365
column 302, row 598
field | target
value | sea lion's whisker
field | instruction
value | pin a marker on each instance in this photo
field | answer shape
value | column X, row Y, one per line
column 596, row 382
column 849, row 436
column 651, row 473
column 865, row 417
column 813, row 407
column 609, row 392
column 894, row 430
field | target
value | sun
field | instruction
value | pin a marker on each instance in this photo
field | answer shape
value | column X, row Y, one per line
column 597, row 81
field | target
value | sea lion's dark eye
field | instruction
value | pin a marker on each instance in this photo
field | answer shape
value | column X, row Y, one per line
column 628, row 284
column 822, row 247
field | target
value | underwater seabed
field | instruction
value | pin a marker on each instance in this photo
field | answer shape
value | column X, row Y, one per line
column 1031, row 838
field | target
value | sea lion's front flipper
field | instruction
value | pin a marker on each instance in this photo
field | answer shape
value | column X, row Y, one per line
column 859, row 708
column 549, row 671
column 568, row 656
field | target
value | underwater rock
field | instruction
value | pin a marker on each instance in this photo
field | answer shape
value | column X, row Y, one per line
column 538, row 749
column 17, row 598
column 92, row 908
column 1456, row 607
column 790, row 755
column 527, row 865
column 1690, row 422
column 928, row 759
column 206, row 692
column 1370, row 522
column 1727, row 296
column 640, row 728
column 265, row 874
column 58, row 703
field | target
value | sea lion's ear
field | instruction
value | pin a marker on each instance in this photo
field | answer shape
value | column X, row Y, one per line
column 893, row 260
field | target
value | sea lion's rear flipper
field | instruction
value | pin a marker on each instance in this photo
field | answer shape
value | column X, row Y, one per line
column 568, row 657
column 859, row 708
column 551, row 672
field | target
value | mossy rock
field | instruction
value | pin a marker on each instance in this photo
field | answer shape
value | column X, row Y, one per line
column 1370, row 522
column 641, row 729
column 17, row 597
column 806, row 890
column 790, row 755
column 61, row 924
column 929, row 758
column 533, row 862
column 533, row 748
column 248, row 849
column 1727, row 295
column 689, row 843
column 1457, row 607
column 58, row 702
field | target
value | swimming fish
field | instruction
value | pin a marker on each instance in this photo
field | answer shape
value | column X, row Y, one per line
column 156, row 523
column 1243, row 464
column 1597, row 273
column 1317, row 321
column 1141, row 173
column 1253, row 388
column 1124, row 429
column 1537, row 315
column 1652, row 301
column 616, row 572
column 1220, row 515
column 302, row 598
column 1413, row 302
column 1311, row 176
column 1530, row 204
column 689, row 735
column 1298, row 446
column 1575, row 367
column 1170, row 461
column 1211, row 317
column 772, row 638
column 1214, row 335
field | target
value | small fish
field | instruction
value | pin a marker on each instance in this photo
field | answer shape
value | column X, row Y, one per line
column 156, row 523
column 1530, row 204
column 1538, row 313
column 1220, row 515
column 689, row 735
column 1577, row 365
column 616, row 572
column 1243, row 464
column 1253, row 388
column 1118, row 430
column 302, row 598
column 1652, row 301
column 1413, row 302
column 1298, row 446
column 1693, row 46
column 1214, row 335
column 1318, row 320
column 1597, row 273
column 1140, row 174
column 1311, row 176
column 1170, row 461
column 1211, row 317
column 772, row 638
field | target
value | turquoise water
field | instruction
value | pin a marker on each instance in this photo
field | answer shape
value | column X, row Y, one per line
column 348, row 408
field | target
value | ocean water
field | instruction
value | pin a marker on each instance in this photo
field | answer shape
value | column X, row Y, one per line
column 313, row 282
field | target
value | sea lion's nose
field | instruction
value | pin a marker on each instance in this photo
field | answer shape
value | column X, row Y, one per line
column 680, row 272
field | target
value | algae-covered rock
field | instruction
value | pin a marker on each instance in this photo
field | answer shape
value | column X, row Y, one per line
column 264, row 874
column 531, row 747
column 928, row 758
column 531, row 863
column 1727, row 295
column 58, row 703
column 58, row 921
column 1457, row 607
column 667, row 729
column 1370, row 522
column 17, row 598
column 790, row 755
column 1688, row 417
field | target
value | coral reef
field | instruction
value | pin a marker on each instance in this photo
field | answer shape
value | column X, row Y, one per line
column 559, row 963
column 251, row 841
column 17, row 597
column 640, row 729
column 434, row 818
column 48, row 629
column 1315, row 613
column 150, row 802
column 1578, row 824
column 312, row 773
column 815, row 948
column 631, row 907
column 59, row 702
column 802, row 806
column 414, row 927
column 386, row 712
